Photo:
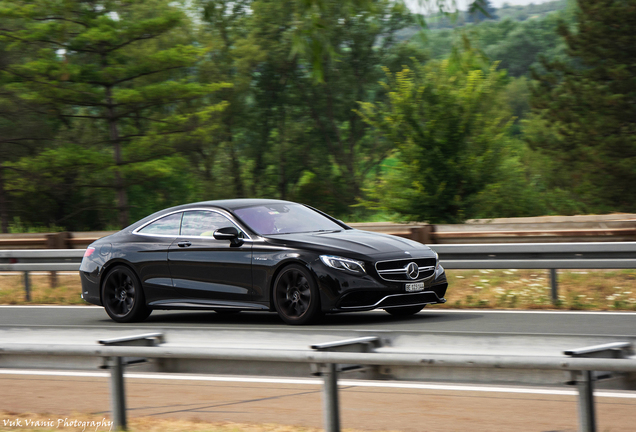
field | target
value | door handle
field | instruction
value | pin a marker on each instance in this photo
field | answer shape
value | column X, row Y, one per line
column 184, row 244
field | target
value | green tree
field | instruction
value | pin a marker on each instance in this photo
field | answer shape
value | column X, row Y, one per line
column 588, row 109
column 120, row 65
column 450, row 136
column 22, row 133
column 297, row 136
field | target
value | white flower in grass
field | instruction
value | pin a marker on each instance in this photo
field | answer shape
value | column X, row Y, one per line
column 459, row 277
column 507, row 272
column 484, row 280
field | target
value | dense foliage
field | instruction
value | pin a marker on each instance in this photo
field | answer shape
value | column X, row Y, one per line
column 585, row 113
column 110, row 110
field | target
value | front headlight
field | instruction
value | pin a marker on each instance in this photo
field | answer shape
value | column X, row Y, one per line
column 436, row 260
column 340, row 263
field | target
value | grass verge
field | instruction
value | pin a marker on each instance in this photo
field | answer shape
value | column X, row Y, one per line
column 494, row 289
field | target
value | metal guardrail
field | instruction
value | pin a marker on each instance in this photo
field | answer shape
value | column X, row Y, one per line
column 325, row 359
column 597, row 255
column 605, row 228
column 553, row 256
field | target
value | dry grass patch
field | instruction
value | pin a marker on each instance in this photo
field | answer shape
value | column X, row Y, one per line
column 530, row 289
column 67, row 291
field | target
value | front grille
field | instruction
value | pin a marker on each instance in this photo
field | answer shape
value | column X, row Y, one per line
column 397, row 270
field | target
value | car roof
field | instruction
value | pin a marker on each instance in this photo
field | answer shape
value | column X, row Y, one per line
column 228, row 205
column 233, row 204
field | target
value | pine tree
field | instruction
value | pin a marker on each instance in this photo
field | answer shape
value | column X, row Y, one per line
column 589, row 106
column 116, row 64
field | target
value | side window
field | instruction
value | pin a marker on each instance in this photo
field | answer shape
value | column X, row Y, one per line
column 168, row 225
column 201, row 223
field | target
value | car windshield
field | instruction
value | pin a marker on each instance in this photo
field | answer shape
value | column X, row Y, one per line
column 285, row 218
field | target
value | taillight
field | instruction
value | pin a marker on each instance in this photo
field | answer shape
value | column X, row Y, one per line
column 89, row 251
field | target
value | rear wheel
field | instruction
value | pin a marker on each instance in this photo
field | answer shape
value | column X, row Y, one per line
column 405, row 310
column 296, row 296
column 123, row 297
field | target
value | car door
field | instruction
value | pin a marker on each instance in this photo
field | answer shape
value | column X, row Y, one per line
column 149, row 254
column 205, row 268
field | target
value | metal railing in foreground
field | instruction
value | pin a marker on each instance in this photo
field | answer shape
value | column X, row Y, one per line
column 328, row 360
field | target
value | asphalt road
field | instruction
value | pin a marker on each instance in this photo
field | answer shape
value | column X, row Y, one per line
column 429, row 320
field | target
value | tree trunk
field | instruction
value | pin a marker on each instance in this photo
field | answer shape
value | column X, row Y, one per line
column 282, row 134
column 120, row 186
column 239, row 191
column 4, row 214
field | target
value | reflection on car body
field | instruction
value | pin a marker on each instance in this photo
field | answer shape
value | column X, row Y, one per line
column 255, row 254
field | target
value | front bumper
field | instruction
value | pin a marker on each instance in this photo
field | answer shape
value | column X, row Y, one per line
column 361, row 301
column 344, row 292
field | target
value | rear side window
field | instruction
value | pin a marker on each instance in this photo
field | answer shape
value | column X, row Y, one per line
column 201, row 223
column 168, row 225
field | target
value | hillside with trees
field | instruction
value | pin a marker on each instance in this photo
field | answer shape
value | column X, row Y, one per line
column 111, row 110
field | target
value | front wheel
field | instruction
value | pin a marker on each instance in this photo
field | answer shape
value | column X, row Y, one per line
column 296, row 296
column 123, row 297
column 405, row 310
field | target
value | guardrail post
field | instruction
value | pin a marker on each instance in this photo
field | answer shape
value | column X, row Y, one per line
column 116, row 366
column 584, row 380
column 554, row 284
column 117, row 394
column 587, row 416
column 329, row 372
column 423, row 234
column 330, row 398
column 56, row 241
column 27, row 287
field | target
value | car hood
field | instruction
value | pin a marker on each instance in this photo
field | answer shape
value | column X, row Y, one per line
column 352, row 241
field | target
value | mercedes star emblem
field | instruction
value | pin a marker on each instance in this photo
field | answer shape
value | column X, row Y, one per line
column 412, row 271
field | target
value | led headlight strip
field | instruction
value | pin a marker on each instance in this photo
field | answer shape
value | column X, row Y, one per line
column 340, row 263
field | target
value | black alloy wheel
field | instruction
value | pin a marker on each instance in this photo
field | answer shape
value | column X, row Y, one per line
column 405, row 310
column 123, row 297
column 296, row 297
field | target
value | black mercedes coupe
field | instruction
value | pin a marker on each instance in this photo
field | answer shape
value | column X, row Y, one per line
column 257, row 254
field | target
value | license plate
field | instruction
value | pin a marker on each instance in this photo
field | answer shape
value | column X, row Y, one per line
column 413, row 287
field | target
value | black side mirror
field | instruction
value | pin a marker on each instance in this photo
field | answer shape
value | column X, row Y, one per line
column 229, row 233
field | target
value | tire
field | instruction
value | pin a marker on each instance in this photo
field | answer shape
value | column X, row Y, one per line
column 122, row 296
column 296, row 297
column 405, row 310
